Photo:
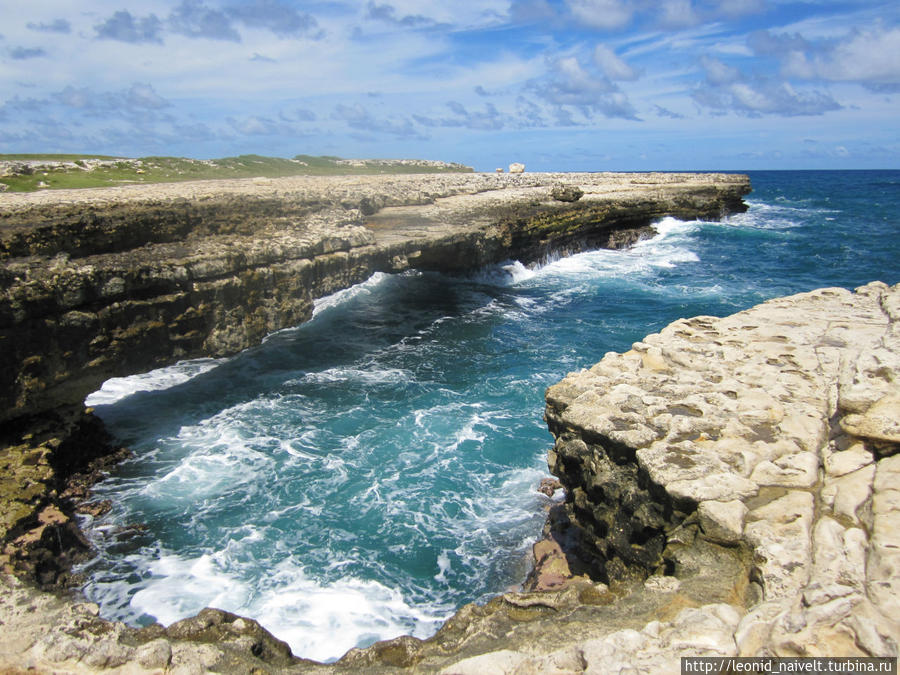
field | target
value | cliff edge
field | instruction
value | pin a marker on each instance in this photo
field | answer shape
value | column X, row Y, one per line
column 114, row 281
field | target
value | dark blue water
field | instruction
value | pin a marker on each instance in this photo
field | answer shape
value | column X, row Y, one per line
column 365, row 474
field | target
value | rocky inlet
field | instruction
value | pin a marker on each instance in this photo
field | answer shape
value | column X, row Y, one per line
column 729, row 482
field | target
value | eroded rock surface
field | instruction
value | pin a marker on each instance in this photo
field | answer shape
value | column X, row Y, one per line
column 772, row 429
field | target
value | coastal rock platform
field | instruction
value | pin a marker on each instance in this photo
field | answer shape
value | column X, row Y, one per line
column 773, row 431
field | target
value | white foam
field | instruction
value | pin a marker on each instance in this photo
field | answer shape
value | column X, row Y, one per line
column 669, row 247
column 763, row 216
column 117, row 388
column 441, row 411
column 181, row 587
column 220, row 458
column 363, row 376
column 670, row 226
column 335, row 299
column 318, row 620
column 507, row 273
column 468, row 432
column 444, row 566
column 288, row 446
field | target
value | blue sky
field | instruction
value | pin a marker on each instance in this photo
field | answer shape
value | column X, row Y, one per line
column 556, row 84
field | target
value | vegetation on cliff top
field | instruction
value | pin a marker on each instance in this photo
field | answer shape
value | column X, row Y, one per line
column 26, row 173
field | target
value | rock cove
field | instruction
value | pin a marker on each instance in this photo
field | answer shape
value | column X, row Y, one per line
column 521, row 608
column 110, row 282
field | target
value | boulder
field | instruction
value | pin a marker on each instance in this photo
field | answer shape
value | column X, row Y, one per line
column 566, row 193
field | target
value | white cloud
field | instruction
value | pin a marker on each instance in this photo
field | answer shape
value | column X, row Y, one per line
column 124, row 27
column 24, row 53
column 489, row 118
column 665, row 112
column 255, row 125
column 603, row 14
column 424, row 13
column 144, row 96
column 358, row 117
column 138, row 97
column 527, row 11
column 718, row 73
column 662, row 46
column 865, row 56
column 677, row 13
column 612, row 66
column 760, row 97
column 283, row 20
column 195, row 19
column 735, row 8
column 568, row 84
column 55, row 26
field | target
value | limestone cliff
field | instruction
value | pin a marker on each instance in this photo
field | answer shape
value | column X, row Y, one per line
column 110, row 282
column 774, row 429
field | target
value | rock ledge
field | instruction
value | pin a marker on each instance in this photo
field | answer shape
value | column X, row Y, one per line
column 773, row 429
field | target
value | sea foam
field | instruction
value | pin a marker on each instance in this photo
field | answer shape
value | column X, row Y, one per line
column 118, row 388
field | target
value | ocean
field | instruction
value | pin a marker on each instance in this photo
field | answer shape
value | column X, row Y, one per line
column 364, row 475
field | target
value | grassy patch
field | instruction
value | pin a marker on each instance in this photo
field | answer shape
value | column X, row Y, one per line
column 51, row 157
column 36, row 172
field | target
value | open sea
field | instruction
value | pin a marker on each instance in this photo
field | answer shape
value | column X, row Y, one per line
column 364, row 475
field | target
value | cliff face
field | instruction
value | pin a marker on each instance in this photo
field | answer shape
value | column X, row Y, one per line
column 103, row 283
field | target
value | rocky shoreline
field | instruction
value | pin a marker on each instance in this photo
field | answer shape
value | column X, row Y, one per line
column 108, row 282
column 114, row 281
column 772, row 433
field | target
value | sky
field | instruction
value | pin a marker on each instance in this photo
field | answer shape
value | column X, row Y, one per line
column 563, row 85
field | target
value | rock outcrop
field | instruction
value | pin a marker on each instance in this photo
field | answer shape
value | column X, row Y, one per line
column 774, row 430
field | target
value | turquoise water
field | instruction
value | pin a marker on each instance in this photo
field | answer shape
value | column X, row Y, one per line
column 365, row 474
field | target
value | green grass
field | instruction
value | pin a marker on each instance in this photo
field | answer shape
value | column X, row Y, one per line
column 53, row 157
column 121, row 171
